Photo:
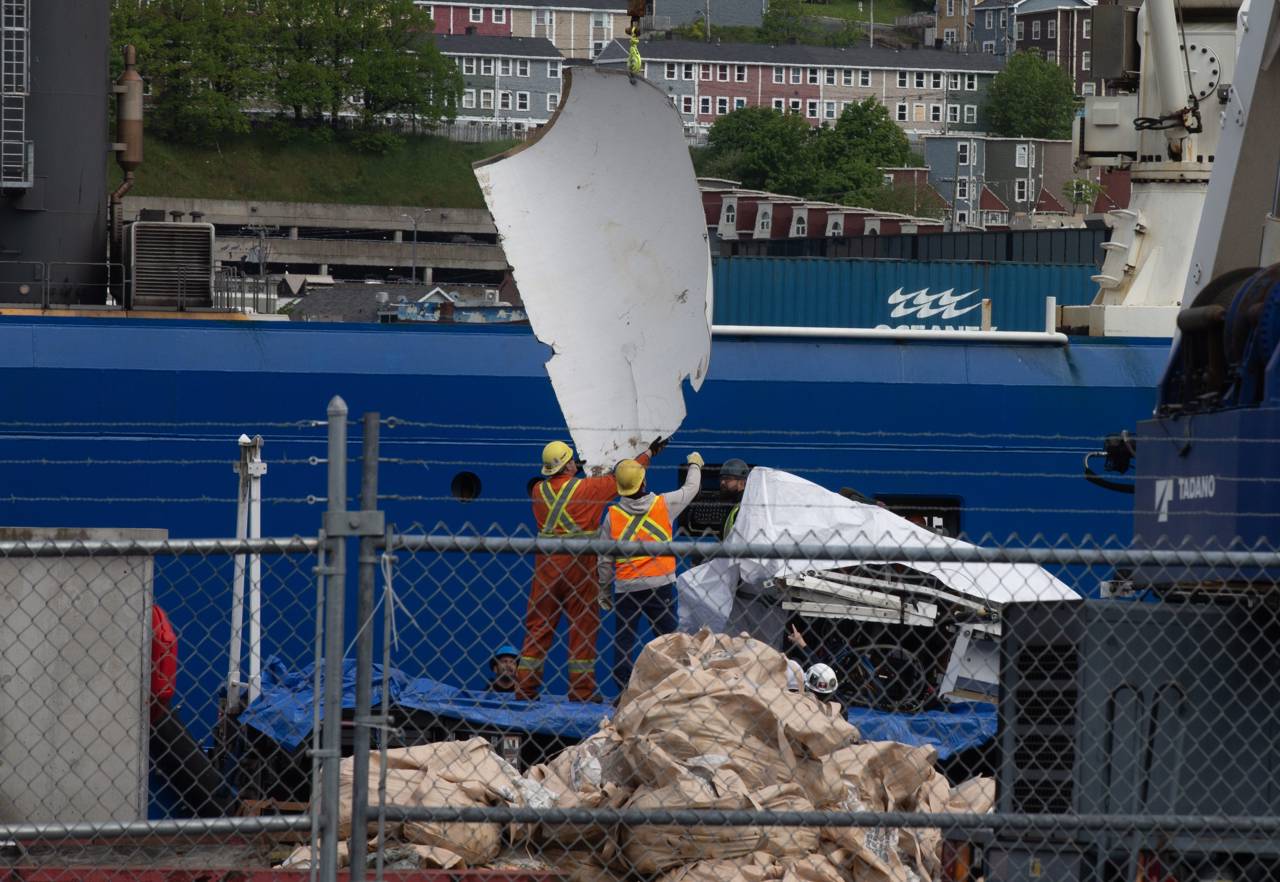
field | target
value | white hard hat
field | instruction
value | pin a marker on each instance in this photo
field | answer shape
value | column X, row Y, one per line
column 821, row 680
column 795, row 675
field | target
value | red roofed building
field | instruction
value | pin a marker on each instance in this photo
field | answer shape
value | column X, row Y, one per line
column 995, row 214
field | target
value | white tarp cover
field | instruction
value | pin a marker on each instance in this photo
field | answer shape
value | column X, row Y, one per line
column 603, row 226
column 780, row 507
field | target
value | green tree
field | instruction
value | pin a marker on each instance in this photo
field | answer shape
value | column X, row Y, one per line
column 751, row 145
column 867, row 130
column 1031, row 98
column 1081, row 191
column 784, row 21
column 202, row 60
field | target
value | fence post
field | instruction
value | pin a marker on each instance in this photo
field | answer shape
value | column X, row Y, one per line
column 331, row 739
column 368, row 565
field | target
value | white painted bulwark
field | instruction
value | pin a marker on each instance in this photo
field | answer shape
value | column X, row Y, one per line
column 603, row 226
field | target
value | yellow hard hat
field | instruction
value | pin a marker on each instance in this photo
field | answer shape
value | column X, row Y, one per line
column 555, row 456
column 629, row 475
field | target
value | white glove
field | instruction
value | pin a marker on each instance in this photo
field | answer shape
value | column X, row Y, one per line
column 694, row 458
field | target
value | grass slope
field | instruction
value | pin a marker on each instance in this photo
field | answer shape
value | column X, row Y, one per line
column 425, row 171
column 852, row 10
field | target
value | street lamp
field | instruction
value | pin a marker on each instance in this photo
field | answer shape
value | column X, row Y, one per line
column 413, row 254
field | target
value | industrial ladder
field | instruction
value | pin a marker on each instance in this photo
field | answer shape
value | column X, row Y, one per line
column 15, row 150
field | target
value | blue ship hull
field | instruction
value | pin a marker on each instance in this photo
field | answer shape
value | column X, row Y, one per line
column 151, row 410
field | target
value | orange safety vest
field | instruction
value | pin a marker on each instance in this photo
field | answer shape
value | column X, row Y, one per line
column 558, row 522
column 652, row 526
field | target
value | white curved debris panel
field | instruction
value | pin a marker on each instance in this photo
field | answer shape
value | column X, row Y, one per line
column 603, row 226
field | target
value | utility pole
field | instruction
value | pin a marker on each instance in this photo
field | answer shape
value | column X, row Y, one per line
column 413, row 252
column 708, row 20
column 871, row 33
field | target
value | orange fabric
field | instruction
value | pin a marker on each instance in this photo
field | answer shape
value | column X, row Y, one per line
column 586, row 509
column 565, row 584
column 164, row 657
column 656, row 527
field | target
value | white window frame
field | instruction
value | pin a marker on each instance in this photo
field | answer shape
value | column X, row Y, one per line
column 739, row 73
column 522, row 101
column 935, row 113
column 600, row 20
column 1088, row 88
column 962, row 189
column 990, row 19
column 901, row 112
column 1086, row 28
column 949, row 36
column 689, row 72
column 469, row 99
column 920, row 79
column 971, row 114
column 476, row 15
column 500, row 16
column 797, row 75
column 671, row 71
column 1020, row 155
column 704, row 73
column 1086, row 60
column 486, row 67
column 739, row 103
column 469, row 67
column 779, row 74
column 800, row 224
column 797, row 106
column 971, row 82
column 935, row 80
column 1051, row 56
column 989, row 47
column 505, row 100
column 864, row 78
column 730, row 213
column 829, row 76
column 962, row 218
column 902, row 79
column 780, row 105
column 1051, row 29
column 811, row 108
column 962, row 153
column 553, row 70
column 1035, row 30
column 886, row 180
column 522, row 67
column 953, row 113
column 686, row 104
column 722, row 73
column 846, row 77
column 1004, row 19
column 953, row 82
column 1020, row 190
column 1021, row 30
column 829, row 110
column 504, row 67
column 704, row 105
column 951, row 8
column 815, row 76
column 553, row 102
column 722, row 105
column 486, row 99
column 765, row 220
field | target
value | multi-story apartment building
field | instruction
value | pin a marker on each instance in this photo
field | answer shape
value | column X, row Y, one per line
column 666, row 14
column 987, row 180
column 925, row 90
column 1061, row 31
column 577, row 28
column 955, row 22
column 513, row 81
column 993, row 26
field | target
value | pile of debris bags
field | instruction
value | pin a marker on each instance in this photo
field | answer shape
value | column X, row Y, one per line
column 707, row 722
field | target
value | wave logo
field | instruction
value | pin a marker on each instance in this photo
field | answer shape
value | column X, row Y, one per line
column 925, row 305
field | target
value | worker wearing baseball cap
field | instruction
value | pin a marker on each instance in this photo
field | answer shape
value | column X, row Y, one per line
column 733, row 483
column 566, row 506
column 644, row 586
column 503, row 668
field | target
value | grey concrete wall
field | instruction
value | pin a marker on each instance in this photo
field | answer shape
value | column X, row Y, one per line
column 342, row 252
column 75, row 643
column 319, row 214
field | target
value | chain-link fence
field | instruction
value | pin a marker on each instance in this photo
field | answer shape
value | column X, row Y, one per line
column 779, row 682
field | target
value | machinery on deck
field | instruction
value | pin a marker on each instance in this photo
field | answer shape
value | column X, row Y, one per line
column 1169, row 707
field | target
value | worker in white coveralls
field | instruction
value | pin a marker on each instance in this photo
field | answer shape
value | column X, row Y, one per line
column 644, row 587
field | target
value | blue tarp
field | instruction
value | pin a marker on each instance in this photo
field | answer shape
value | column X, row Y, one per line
column 283, row 712
column 963, row 725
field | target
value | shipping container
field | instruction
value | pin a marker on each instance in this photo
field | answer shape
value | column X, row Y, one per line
column 816, row 292
column 1072, row 246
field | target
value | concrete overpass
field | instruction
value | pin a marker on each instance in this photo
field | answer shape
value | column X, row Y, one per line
column 329, row 237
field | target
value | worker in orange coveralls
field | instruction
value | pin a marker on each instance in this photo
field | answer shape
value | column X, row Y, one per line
column 565, row 505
